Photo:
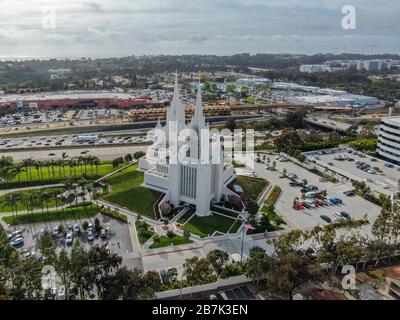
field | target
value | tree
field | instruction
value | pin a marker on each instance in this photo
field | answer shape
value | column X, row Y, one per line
column 291, row 271
column 170, row 234
column 63, row 269
column 97, row 225
column 258, row 264
column 252, row 208
column 138, row 154
column 128, row 157
column 217, row 258
column 47, row 248
column 186, row 234
column 198, row 271
column 230, row 124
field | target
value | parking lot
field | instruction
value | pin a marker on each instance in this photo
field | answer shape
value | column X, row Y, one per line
column 70, row 140
column 376, row 175
column 306, row 219
column 117, row 236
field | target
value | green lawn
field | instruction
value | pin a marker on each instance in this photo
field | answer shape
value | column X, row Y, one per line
column 127, row 192
column 69, row 214
column 204, row 226
column 251, row 186
column 36, row 204
column 272, row 215
column 236, row 226
column 166, row 242
column 60, row 173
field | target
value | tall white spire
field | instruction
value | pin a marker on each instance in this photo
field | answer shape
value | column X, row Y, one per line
column 176, row 112
column 198, row 120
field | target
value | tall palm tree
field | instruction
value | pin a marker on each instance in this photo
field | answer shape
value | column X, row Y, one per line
column 17, row 171
column 12, row 201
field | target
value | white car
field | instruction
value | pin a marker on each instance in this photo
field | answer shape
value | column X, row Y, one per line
column 90, row 236
column 69, row 239
column 17, row 241
column 337, row 215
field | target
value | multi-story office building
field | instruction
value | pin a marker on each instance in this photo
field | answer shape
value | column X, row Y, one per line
column 389, row 139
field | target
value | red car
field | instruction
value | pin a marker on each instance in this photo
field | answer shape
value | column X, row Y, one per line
column 318, row 202
column 298, row 206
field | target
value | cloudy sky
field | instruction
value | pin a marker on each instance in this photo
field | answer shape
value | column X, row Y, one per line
column 102, row 28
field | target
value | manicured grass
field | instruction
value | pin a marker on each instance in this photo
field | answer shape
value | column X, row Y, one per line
column 272, row 215
column 186, row 216
column 143, row 231
column 166, row 242
column 36, row 204
column 252, row 187
column 68, row 214
column 47, row 173
column 204, row 226
column 127, row 192
column 236, row 226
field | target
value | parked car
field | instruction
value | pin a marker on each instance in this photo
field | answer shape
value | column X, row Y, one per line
column 337, row 215
column 326, row 218
column 69, row 239
column 90, row 236
column 103, row 233
column 17, row 241
column 345, row 215
column 350, row 193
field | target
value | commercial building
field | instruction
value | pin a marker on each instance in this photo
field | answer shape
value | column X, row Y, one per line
column 314, row 68
column 334, row 100
column 198, row 179
column 253, row 81
column 77, row 99
column 389, row 139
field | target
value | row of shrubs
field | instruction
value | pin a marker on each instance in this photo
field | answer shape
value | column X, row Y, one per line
column 114, row 214
column 274, row 195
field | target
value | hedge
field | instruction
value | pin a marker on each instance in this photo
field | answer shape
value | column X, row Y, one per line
column 273, row 195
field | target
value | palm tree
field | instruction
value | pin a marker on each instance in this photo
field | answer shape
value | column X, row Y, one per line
column 27, row 163
column 17, row 171
column 12, row 200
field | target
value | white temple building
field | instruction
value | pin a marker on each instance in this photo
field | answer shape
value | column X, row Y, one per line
column 202, row 177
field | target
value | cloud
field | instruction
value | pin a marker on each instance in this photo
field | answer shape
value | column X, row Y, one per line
column 123, row 27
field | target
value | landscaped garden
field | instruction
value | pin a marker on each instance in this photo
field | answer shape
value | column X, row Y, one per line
column 163, row 241
column 270, row 213
column 143, row 231
column 252, row 187
column 80, row 212
column 31, row 172
column 127, row 192
column 33, row 199
column 206, row 226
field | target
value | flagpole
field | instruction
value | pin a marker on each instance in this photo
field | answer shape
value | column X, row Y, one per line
column 241, row 251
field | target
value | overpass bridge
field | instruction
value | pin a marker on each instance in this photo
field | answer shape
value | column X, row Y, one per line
column 328, row 123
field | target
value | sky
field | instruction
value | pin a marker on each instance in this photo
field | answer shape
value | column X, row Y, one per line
column 115, row 28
